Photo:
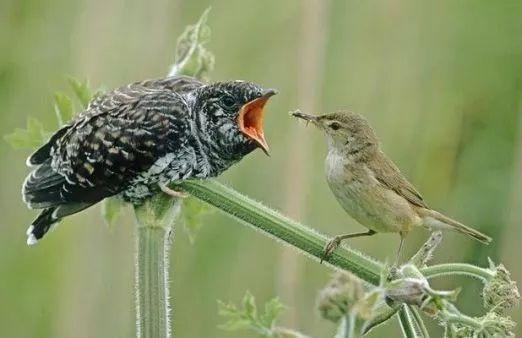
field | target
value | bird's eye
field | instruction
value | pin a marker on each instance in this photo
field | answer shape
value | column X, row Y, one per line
column 228, row 101
column 335, row 126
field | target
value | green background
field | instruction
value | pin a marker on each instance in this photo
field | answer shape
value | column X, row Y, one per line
column 440, row 81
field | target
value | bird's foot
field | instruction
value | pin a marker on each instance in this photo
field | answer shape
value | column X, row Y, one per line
column 330, row 247
column 172, row 192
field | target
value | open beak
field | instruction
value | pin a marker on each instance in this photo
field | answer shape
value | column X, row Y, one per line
column 250, row 119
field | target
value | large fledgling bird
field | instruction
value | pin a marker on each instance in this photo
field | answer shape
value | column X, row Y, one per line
column 136, row 139
column 369, row 186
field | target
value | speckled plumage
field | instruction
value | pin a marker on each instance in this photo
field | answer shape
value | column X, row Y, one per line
column 132, row 139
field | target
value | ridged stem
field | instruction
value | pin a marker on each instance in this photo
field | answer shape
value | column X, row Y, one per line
column 419, row 322
column 407, row 323
column 155, row 220
column 277, row 226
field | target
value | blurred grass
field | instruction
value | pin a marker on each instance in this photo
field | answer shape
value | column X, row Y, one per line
column 441, row 82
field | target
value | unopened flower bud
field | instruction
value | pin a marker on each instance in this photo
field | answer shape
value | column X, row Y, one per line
column 339, row 296
column 500, row 293
column 407, row 290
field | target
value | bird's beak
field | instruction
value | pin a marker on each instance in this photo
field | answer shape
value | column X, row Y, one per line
column 306, row 117
column 250, row 119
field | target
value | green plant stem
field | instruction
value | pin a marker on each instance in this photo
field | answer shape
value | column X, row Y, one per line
column 151, row 280
column 407, row 323
column 462, row 319
column 155, row 219
column 280, row 227
column 457, row 269
column 419, row 322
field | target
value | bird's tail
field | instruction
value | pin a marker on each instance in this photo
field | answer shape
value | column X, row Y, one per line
column 49, row 216
column 436, row 220
column 41, row 225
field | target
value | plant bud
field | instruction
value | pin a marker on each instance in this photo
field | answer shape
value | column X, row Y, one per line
column 500, row 293
column 339, row 296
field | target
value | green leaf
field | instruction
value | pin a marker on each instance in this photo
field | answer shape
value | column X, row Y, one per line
column 63, row 107
column 192, row 213
column 273, row 308
column 81, row 90
column 249, row 305
column 235, row 317
column 111, row 209
column 191, row 57
column 30, row 138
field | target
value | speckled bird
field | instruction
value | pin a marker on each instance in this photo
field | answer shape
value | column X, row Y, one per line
column 135, row 140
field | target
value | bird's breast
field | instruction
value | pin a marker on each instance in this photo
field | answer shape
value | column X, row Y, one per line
column 365, row 199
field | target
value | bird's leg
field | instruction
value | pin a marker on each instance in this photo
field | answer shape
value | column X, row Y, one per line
column 336, row 241
column 398, row 257
column 172, row 192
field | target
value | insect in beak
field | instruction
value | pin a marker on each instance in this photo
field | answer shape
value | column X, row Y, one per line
column 307, row 117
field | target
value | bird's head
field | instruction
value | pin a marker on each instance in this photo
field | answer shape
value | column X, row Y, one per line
column 230, row 114
column 344, row 130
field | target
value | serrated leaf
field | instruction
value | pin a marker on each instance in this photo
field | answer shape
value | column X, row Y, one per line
column 193, row 210
column 246, row 317
column 81, row 90
column 63, row 107
column 249, row 306
column 30, row 138
column 111, row 209
column 273, row 308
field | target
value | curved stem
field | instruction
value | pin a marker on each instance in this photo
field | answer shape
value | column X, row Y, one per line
column 457, row 269
column 282, row 228
column 155, row 218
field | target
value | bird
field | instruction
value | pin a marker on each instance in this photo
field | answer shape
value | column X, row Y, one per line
column 370, row 187
column 135, row 140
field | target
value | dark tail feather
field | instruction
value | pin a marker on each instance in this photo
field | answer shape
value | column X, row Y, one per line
column 43, row 223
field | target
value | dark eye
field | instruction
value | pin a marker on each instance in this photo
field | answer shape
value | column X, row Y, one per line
column 335, row 126
column 228, row 101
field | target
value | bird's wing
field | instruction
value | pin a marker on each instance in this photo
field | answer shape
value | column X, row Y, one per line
column 111, row 143
column 387, row 173
column 114, row 100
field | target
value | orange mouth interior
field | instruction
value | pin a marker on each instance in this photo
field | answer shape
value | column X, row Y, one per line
column 250, row 121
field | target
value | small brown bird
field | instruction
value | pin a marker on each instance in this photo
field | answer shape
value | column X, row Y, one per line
column 369, row 186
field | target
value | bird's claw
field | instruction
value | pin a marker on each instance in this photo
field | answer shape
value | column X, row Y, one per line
column 330, row 247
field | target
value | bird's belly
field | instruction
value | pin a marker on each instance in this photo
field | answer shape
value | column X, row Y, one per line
column 374, row 207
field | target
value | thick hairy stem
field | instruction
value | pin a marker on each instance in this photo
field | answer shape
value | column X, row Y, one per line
column 280, row 227
column 155, row 221
column 152, row 297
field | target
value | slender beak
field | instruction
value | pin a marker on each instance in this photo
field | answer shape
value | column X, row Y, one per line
column 307, row 117
column 250, row 119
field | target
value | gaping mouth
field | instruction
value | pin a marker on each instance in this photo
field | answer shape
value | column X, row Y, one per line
column 250, row 119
